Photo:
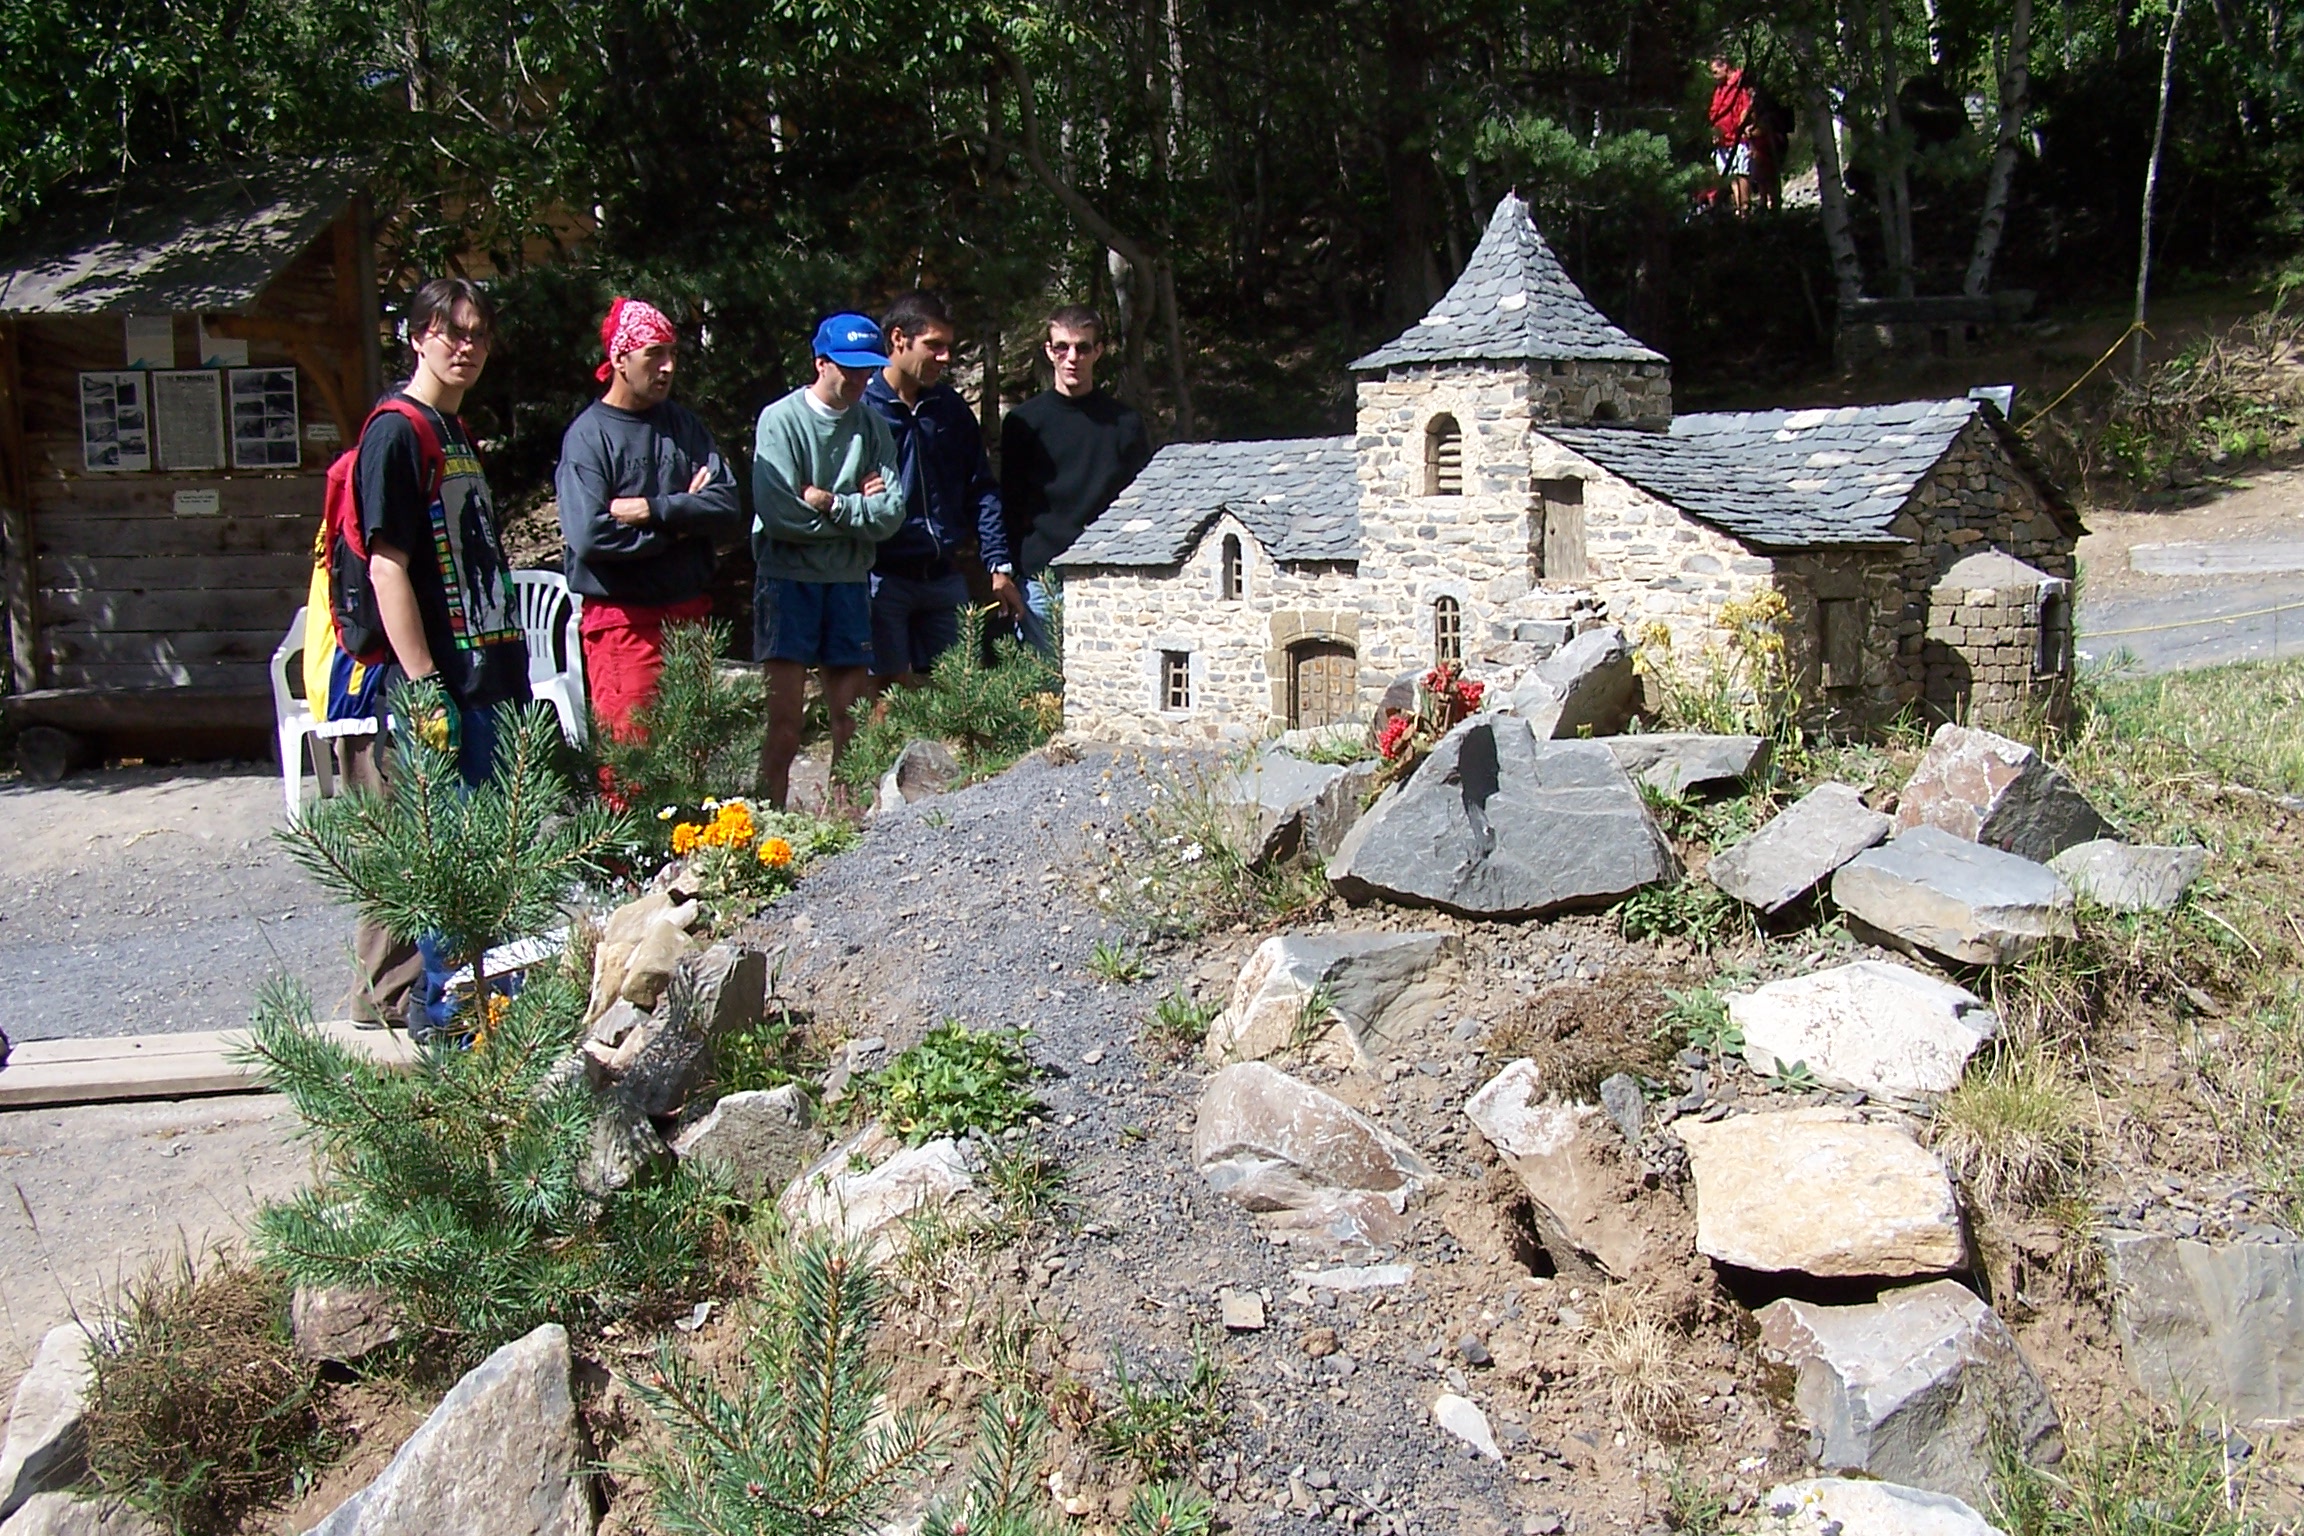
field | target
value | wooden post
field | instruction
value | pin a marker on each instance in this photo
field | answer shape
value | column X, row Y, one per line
column 17, row 559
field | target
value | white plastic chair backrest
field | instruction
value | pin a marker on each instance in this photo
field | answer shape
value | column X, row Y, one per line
column 284, row 699
column 543, row 599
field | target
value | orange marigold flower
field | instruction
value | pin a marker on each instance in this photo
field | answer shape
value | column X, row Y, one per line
column 775, row 852
column 685, row 837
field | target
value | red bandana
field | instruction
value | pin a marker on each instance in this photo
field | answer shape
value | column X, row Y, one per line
column 631, row 323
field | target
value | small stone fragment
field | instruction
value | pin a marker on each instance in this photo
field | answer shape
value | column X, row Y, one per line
column 1242, row 1311
column 1461, row 1417
column 341, row 1324
column 1318, row 1342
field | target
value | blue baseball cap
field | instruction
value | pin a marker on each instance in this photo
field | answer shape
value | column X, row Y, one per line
column 852, row 341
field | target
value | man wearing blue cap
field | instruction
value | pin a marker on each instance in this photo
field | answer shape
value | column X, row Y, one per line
column 825, row 492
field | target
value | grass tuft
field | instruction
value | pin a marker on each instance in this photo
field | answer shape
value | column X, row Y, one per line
column 1158, row 1425
column 1120, row 964
column 1179, row 1023
column 1629, row 1344
column 2017, row 1131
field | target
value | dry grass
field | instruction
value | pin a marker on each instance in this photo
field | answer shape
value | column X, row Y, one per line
column 1630, row 1344
column 2017, row 1131
column 200, row 1408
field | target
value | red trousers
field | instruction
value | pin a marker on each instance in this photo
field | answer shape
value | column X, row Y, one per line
column 624, row 652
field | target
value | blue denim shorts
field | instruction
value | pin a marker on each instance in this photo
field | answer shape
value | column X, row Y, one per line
column 913, row 621
column 815, row 623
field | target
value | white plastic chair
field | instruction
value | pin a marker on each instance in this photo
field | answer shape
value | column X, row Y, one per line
column 551, row 615
column 297, row 725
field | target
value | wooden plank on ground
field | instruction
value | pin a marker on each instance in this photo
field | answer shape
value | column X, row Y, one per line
column 175, row 1066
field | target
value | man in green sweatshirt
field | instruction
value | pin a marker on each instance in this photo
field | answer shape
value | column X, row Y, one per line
column 825, row 492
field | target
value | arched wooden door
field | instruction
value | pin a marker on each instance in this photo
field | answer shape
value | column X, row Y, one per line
column 1323, row 683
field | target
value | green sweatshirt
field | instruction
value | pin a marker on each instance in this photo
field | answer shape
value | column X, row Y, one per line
column 798, row 445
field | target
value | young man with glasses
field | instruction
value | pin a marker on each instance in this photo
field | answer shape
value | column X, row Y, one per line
column 1064, row 455
column 443, row 591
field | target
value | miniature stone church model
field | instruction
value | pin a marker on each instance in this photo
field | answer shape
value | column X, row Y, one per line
column 1517, row 471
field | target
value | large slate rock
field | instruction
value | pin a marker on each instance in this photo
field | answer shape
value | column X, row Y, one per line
column 1873, row 1025
column 1282, row 807
column 67, row 1514
column 1498, row 824
column 1912, row 1388
column 1589, row 1200
column 1822, row 1191
column 1585, row 688
column 669, row 1058
column 1990, row 790
column 756, row 1140
column 864, row 1187
column 2207, row 1325
column 1847, row 1506
column 923, row 769
column 503, row 1453
column 47, row 1444
column 1382, row 989
column 2128, row 877
column 1679, row 761
column 624, row 1150
column 1315, row 1167
column 1931, row 891
column 1798, row 849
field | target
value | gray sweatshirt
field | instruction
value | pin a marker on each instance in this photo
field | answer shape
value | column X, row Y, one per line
column 608, row 453
column 801, row 443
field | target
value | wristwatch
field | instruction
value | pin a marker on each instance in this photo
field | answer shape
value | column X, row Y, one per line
column 1003, row 569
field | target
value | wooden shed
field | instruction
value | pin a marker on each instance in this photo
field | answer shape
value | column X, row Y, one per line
column 180, row 359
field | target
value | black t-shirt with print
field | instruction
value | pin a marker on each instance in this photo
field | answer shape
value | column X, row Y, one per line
column 455, row 556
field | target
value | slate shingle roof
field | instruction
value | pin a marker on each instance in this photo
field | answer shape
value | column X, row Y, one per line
column 1512, row 303
column 1781, row 480
column 207, row 240
column 1299, row 496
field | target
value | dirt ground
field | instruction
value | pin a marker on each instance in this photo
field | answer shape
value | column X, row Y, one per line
column 92, row 1195
column 150, row 900
column 2263, row 504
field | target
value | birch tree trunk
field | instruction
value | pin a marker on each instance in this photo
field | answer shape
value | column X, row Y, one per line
column 1831, row 189
column 2015, row 85
column 2151, row 187
column 1896, row 156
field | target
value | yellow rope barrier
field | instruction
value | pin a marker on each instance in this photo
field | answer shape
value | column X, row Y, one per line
column 2214, row 618
column 2033, row 420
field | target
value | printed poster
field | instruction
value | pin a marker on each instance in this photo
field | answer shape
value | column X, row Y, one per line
column 188, row 419
column 264, row 423
column 115, row 422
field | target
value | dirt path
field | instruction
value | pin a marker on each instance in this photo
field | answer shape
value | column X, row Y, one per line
column 2165, row 622
column 149, row 900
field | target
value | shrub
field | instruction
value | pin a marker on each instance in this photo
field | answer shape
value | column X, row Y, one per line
column 1744, row 685
column 698, row 737
column 1444, row 699
column 956, row 1080
column 988, row 715
column 458, row 1186
column 475, row 867
column 802, row 1447
column 200, row 1407
column 1700, row 1016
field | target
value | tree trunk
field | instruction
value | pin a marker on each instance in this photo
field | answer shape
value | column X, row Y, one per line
column 1411, row 275
column 1895, row 172
column 1831, row 189
column 988, row 403
column 2152, row 187
column 2015, row 83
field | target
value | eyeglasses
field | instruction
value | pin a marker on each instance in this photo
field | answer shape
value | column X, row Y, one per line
column 459, row 339
column 1083, row 348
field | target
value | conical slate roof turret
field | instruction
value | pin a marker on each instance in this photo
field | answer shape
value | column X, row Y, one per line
column 1513, row 303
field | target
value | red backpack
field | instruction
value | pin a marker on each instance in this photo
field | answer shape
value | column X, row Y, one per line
column 343, row 542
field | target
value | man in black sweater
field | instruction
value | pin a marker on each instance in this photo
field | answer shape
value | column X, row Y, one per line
column 643, row 494
column 1064, row 455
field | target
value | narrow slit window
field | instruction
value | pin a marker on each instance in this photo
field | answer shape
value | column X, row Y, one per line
column 1447, row 630
column 1231, row 583
column 2054, row 656
column 1175, row 680
column 1444, row 458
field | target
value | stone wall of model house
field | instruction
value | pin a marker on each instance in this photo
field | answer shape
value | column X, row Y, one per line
column 1129, row 632
column 1472, row 539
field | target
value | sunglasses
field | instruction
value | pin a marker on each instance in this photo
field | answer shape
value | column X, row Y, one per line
column 1083, row 348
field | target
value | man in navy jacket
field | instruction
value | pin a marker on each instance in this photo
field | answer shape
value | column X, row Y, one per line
column 952, row 499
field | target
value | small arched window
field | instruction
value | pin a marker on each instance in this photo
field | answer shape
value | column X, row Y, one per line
column 1447, row 631
column 1443, row 457
column 1231, row 582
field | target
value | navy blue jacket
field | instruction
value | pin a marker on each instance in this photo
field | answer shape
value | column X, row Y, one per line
column 950, row 493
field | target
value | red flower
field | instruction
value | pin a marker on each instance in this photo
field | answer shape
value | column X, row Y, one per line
column 1391, row 741
column 1469, row 695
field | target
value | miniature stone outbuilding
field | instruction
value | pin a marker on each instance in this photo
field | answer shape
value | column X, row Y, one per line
column 1517, row 470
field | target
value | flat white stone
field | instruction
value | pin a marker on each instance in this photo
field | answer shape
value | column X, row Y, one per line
column 1850, row 1506
column 1876, row 1026
column 1461, row 1417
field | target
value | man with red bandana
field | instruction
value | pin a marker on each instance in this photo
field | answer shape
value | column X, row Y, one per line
column 644, row 493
